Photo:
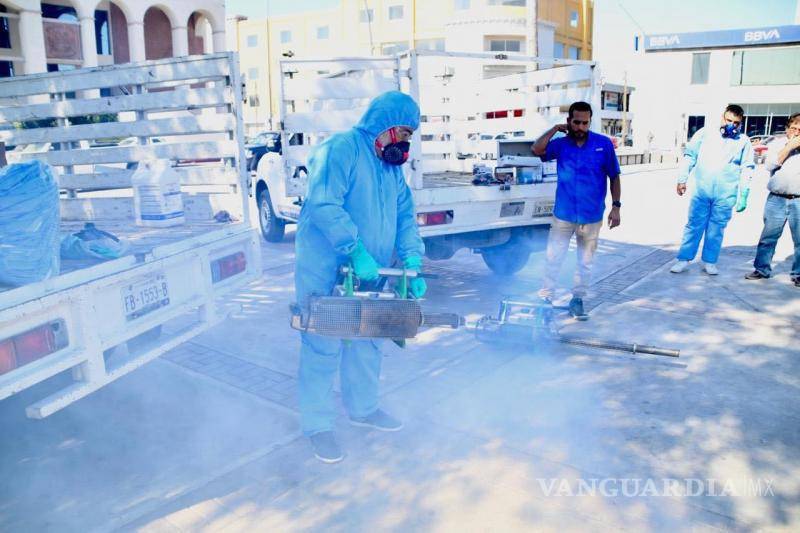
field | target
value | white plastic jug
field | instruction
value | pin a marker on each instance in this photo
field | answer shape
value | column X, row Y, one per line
column 157, row 200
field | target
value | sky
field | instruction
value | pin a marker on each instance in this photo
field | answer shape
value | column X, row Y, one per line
column 653, row 16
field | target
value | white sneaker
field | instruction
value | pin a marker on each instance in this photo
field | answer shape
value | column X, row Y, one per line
column 711, row 269
column 679, row 266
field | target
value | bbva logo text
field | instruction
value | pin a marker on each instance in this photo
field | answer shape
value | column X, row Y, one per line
column 761, row 35
column 664, row 40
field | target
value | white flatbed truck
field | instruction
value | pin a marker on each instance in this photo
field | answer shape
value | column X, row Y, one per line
column 98, row 321
column 503, row 222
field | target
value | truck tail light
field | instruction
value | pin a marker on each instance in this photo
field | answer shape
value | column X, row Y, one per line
column 228, row 266
column 8, row 361
column 31, row 345
column 435, row 218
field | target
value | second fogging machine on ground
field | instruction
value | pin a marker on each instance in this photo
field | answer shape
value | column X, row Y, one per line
column 379, row 310
column 529, row 324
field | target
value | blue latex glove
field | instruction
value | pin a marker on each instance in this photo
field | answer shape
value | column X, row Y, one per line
column 364, row 265
column 417, row 286
column 741, row 204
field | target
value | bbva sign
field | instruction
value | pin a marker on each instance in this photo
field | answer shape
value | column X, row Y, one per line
column 665, row 40
column 761, row 35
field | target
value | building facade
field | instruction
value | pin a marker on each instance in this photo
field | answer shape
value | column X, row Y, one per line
column 57, row 35
column 563, row 29
column 693, row 76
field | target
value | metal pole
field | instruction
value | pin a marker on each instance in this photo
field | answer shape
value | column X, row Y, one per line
column 412, row 44
column 269, row 72
column 625, row 109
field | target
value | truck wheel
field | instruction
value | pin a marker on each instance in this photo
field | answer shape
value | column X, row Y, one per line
column 506, row 259
column 272, row 228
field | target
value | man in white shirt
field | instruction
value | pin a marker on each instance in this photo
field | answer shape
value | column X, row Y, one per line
column 783, row 202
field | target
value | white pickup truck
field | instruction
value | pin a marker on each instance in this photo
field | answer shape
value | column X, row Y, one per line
column 97, row 321
column 463, row 98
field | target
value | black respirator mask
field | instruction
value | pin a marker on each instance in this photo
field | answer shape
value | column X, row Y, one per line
column 394, row 153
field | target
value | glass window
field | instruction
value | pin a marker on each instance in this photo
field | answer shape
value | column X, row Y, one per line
column 323, row 32
column 558, row 50
column 573, row 19
column 366, row 15
column 6, row 67
column 695, row 123
column 507, row 3
column 286, row 36
column 756, row 125
column 62, row 13
column 462, row 4
column 504, row 45
column 252, row 74
column 700, row 68
column 395, row 12
column 574, row 52
column 611, row 100
column 430, row 44
column 773, row 66
column 778, row 124
column 394, row 48
column 252, row 41
column 102, row 37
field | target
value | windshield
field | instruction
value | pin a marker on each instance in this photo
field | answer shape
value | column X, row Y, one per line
column 264, row 138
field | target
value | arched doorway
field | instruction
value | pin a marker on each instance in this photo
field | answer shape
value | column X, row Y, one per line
column 201, row 33
column 158, row 29
column 119, row 33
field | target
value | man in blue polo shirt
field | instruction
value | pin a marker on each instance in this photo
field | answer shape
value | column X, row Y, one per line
column 586, row 162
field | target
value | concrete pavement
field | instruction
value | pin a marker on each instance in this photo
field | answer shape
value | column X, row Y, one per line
column 562, row 438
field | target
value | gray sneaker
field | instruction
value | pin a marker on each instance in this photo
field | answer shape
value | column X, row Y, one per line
column 326, row 449
column 380, row 420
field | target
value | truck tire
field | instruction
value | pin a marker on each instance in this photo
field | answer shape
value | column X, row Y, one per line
column 506, row 259
column 272, row 227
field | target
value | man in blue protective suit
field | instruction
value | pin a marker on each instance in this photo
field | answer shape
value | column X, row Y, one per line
column 721, row 162
column 359, row 210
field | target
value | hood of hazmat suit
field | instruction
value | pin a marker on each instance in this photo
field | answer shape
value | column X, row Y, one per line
column 354, row 195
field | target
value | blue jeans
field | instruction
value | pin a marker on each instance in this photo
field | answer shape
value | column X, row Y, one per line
column 359, row 366
column 708, row 217
column 777, row 212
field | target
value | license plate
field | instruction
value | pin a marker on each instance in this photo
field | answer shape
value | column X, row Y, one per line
column 145, row 297
column 543, row 209
column 512, row 209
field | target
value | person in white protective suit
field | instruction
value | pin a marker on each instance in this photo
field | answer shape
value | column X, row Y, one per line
column 721, row 163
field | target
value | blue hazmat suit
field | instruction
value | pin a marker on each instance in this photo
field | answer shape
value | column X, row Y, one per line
column 352, row 195
column 720, row 167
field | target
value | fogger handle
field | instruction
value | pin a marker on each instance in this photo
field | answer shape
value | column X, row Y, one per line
column 396, row 273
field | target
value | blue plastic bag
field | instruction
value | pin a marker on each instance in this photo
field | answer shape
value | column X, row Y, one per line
column 29, row 221
column 92, row 243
